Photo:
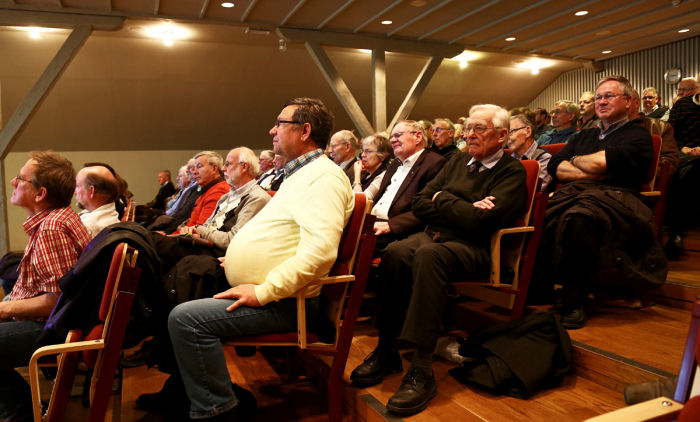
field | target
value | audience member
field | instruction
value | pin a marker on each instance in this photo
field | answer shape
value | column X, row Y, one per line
column 43, row 187
column 343, row 147
column 166, row 189
column 650, row 102
column 596, row 228
column 182, row 207
column 564, row 118
column 443, row 133
column 541, row 122
column 207, row 172
column 96, row 189
column 271, row 257
column 428, row 131
column 669, row 148
column 182, row 181
column 684, row 200
column 370, row 170
column 279, row 162
column 407, row 175
column 586, row 106
column 475, row 194
column 523, row 146
column 686, row 88
column 267, row 168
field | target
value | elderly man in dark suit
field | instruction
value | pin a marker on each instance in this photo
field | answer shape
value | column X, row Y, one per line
column 413, row 168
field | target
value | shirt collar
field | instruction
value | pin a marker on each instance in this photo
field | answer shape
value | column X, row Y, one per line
column 408, row 162
column 302, row 160
column 34, row 220
column 528, row 153
column 489, row 161
column 612, row 127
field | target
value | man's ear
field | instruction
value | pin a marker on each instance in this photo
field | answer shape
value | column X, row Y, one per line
column 40, row 195
column 305, row 131
column 91, row 191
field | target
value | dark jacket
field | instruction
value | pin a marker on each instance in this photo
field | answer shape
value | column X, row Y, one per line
column 401, row 218
column 166, row 190
column 83, row 285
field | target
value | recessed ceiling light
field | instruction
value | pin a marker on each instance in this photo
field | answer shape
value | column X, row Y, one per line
column 418, row 3
column 606, row 51
column 387, row 22
column 534, row 65
column 227, row 4
column 510, row 39
column 581, row 13
column 167, row 33
column 683, row 30
column 603, row 32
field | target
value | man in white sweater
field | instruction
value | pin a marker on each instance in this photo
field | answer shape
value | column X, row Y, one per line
column 290, row 242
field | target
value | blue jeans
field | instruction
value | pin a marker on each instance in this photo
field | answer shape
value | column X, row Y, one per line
column 196, row 328
column 17, row 343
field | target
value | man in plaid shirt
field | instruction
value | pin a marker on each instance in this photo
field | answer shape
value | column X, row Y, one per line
column 44, row 187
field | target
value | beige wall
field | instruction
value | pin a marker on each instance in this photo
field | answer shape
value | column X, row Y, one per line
column 139, row 168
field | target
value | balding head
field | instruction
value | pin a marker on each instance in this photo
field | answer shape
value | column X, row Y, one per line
column 95, row 186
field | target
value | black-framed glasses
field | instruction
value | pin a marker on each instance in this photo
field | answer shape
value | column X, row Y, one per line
column 516, row 129
column 279, row 122
column 608, row 96
column 648, row 97
column 22, row 179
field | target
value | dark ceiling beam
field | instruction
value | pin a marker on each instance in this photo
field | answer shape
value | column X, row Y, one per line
column 459, row 19
column 426, row 48
column 535, row 23
column 334, row 14
column 499, row 20
column 14, row 17
column 559, row 28
column 292, row 12
column 376, row 16
column 419, row 17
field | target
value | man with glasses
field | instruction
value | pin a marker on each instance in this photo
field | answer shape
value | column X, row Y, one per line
column 412, row 169
column 650, row 104
column 475, row 194
column 267, row 168
column 564, row 117
column 343, row 149
column 523, row 147
column 596, row 228
column 443, row 138
column 290, row 242
column 43, row 187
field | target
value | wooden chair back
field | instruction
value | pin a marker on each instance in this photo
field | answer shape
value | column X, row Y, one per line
column 100, row 349
column 650, row 177
column 553, row 148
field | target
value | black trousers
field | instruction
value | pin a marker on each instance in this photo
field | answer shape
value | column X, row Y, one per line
column 414, row 281
column 580, row 249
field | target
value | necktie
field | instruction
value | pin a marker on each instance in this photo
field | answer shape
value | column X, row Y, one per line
column 474, row 167
column 523, row 158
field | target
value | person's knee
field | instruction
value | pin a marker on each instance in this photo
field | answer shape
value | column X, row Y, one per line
column 180, row 318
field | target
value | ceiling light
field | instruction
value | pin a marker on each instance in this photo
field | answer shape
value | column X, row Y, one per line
column 581, row 13
column 168, row 33
column 510, row 39
column 34, row 32
column 683, row 30
column 418, row 3
column 534, row 65
column 227, row 4
column 387, row 22
column 606, row 51
column 464, row 57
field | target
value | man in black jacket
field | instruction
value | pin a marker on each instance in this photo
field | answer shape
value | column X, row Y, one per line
column 474, row 195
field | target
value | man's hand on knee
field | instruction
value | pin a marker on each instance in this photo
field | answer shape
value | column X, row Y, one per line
column 244, row 295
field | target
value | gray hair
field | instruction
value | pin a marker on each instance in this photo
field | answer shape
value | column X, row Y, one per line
column 382, row 144
column 651, row 90
column 347, row 137
column 212, row 158
column 247, row 155
column 570, row 107
column 523, row 118
column 499, row 115
column 415, row 127
column 626, row 86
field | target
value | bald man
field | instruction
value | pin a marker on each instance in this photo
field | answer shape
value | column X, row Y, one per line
column 96, row 189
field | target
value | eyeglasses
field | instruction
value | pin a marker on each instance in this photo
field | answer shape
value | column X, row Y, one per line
column 279, row 122
column 397, row 135
column 685, row 89
column 228, row 163
column 439, row 129
column 608, row 96
column 369, row 151
column 648, row 97
column 22, row 179
column 478, row 129
column 516, row 129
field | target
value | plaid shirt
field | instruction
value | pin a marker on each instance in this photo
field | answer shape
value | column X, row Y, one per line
column 301, row 161
column 56, row 239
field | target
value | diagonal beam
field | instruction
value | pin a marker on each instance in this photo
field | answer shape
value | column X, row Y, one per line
column 339, row 87
column 292, row 12
column 41, row 88
column 203, row 9
column 373, row 18
column 379, row 89
column 335, row 13
column 417, row 89
column 459, row 18
column 497, row 21
column 249, row 9
column 419, row 17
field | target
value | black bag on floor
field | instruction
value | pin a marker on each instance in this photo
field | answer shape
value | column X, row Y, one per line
column 516, row 358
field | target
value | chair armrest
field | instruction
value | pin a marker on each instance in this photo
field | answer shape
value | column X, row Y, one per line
column 496, row 250
column 652, row 193
column 658, row 409
column 322, row 281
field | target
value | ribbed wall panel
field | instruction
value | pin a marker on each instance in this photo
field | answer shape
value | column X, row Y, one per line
column 643, row 69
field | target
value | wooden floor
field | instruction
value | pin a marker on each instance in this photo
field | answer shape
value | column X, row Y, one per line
column 621, row 344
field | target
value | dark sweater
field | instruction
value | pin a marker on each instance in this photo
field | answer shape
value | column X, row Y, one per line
column 452, row 213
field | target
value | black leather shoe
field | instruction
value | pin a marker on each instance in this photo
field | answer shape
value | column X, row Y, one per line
column 416, row 390
column 674, row 247
column 21, row 414
column 172, row 398
column 247, row 405
column 373, row 370
column 574, row 318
